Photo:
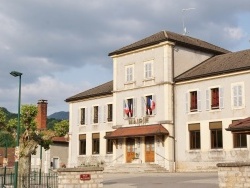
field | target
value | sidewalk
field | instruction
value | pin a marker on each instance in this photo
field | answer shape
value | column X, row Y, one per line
column 162, row 180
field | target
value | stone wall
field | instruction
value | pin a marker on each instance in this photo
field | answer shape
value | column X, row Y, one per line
column 84, row 177
column 234, row 174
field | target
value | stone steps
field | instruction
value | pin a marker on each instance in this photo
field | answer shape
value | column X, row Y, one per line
column 135, row 168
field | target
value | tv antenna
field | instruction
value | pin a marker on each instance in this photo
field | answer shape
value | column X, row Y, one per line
column 183, row 23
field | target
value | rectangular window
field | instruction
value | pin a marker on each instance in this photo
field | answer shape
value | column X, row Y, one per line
column 148, row 69
column 129, row 73
column 109, row 144
column 194, row 133
column 237, row 95
column 150, row 104
column 95, row 143
column 82, row 144
column 129, row 108
column 95, row 114
column 110, row 112
column 216, row 135
column 240, row 140
column 82, row 116
column 193, row 101
column 215, row 98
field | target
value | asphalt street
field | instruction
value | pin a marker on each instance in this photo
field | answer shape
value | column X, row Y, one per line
column 161, row 180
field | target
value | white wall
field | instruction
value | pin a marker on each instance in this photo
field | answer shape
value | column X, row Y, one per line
column 206, row 158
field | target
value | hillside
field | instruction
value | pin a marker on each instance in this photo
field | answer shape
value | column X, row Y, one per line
column 59, row 115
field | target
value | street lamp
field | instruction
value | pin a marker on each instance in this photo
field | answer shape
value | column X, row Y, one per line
column 15, row 74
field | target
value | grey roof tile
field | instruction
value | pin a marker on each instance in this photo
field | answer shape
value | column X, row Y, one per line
column 181, row 40
column 104, row 89
column 220, row 64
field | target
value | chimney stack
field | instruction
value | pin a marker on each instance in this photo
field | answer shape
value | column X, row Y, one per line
column 42, row 114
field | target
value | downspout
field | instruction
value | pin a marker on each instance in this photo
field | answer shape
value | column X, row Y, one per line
column 173, row 95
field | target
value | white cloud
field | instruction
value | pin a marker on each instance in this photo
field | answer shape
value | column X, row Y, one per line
column 234, row 33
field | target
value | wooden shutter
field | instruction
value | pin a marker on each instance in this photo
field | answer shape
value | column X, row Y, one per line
column 105, row 107
column 100, row 113
column 207, row 100
column 235, row 96
column 86, row 116
column 186, row 102
column 143, row 106
column 134, row 107
column 199, row 101
column 221, row 99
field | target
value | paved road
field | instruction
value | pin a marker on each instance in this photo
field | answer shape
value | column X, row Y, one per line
column 161, row 180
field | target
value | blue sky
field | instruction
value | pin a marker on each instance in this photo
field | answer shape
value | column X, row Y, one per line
column 62, row 46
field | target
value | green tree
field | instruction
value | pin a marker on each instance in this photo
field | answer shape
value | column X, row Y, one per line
column 30, row 139
column 62, row 128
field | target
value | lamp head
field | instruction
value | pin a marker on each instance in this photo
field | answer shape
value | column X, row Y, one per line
column 15, row 73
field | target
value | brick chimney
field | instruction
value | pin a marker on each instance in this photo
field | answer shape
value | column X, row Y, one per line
column 41, row 117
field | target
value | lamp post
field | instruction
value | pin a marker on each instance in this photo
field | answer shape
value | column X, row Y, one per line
column 15, row 74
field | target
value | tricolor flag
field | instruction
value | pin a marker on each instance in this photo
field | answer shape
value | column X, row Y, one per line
column 152, row 104
column 126, row 109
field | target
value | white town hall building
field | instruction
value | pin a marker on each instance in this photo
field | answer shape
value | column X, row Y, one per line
column 171, row 98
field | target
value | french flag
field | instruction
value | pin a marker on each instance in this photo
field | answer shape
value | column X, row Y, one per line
column 152, row 104
column 126, row 109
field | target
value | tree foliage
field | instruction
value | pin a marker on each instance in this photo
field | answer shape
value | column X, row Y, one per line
column 62, row 128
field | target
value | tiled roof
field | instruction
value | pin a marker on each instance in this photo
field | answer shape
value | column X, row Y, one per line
column 240, row 126
column 178, row 39
column 220, row 64
column 146, row 130
column 104, row 89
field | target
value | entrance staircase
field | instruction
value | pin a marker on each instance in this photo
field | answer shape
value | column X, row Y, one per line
column 135, row 168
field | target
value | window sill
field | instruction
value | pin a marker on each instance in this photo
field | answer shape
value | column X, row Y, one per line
column 194, row 150
column 129, row 83
column 148, row 79
column 240, row 149
column 238, row 108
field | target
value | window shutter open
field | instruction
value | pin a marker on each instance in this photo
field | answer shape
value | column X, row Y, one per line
column 186, row 102
column 105, row 113
column 199, row 101
column 86, row 116
column 134, row 107
column 123, row 109
column 207, row 100
column 100, row 118
column 235, row 96
column 221, row 100
column 143, row 107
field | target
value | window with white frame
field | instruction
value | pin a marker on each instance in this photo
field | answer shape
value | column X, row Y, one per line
column 82, row 144
column 96, row 114
column 239, row 140
column 216, row 135
column 148, row 69
column 129, row 73
column 194, row 136
column 129, row 107
column 110, row 112
column 148, row 105
column 237, row 94
column 193, row 101
column 214, row 98
column 83, row 116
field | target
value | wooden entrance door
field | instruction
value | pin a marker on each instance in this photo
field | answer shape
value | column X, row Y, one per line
column 150, row 149
column 130, row 149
